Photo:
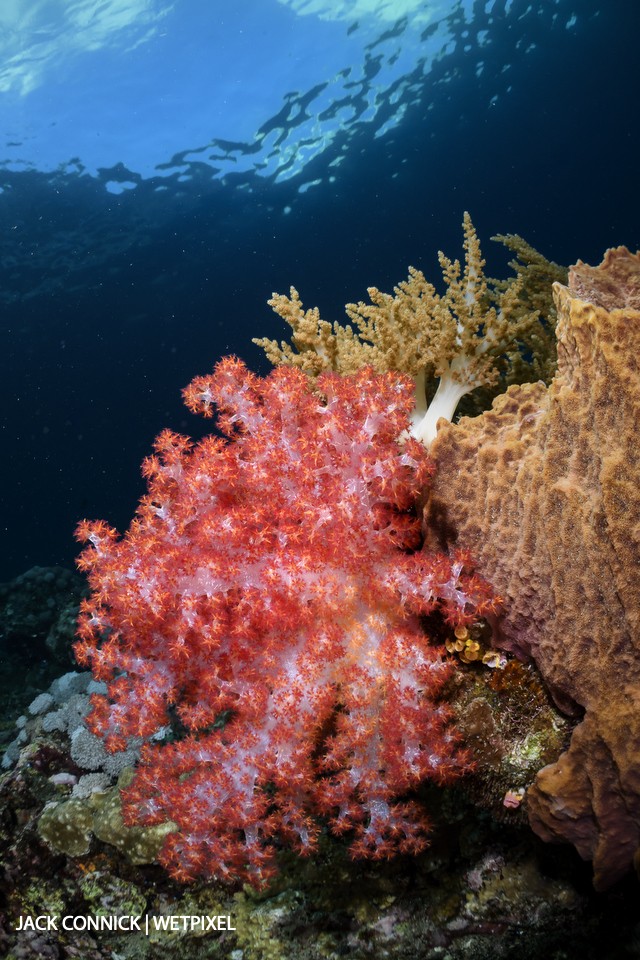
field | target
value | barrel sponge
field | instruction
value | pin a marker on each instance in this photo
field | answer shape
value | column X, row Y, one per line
column 544, row 490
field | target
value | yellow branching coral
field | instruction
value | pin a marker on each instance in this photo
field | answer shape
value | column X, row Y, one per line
column 537, row 276
column 465, row 337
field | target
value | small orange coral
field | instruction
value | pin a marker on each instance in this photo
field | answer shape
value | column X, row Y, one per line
column 543, row 490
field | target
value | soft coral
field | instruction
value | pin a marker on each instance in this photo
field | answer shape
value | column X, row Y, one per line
column 269, row 594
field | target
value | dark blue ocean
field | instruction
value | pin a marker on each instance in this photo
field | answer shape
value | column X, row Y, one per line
column 165, row 166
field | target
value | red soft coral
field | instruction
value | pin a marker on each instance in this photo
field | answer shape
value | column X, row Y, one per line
column 268, row 594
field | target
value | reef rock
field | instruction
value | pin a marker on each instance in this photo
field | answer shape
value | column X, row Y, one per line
column 544, row 490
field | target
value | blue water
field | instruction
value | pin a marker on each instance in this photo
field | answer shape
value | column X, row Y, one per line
column 164, row 166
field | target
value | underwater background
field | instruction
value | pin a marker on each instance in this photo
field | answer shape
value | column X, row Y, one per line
column 165, row 166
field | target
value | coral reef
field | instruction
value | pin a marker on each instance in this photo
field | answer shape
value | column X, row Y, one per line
column 485, row 887
column 543, row 490
column 479, row 334
column 39, row 609
column 63, row 709
column 38, row 614
column 38, row 617
column 68, row 826
column 512, row 730
column 303, row 517
column 79, row 792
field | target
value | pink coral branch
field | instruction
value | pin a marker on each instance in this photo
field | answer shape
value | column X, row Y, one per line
column 271, row 581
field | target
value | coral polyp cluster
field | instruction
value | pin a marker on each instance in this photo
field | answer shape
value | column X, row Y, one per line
column 266, row 605
column 480, row 334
